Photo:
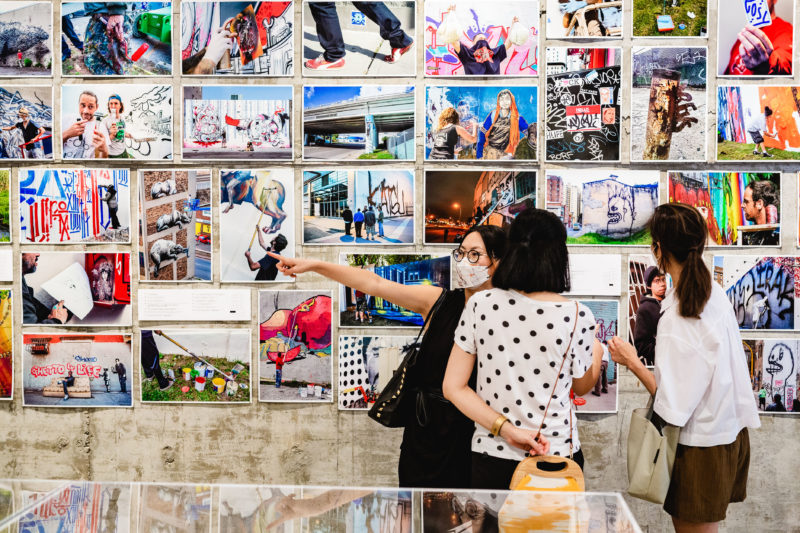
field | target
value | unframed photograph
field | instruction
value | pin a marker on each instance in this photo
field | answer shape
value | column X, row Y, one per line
column 366, row 364
column 755, row 37
column 774, row 366
column 26, row 39
column 591, row 19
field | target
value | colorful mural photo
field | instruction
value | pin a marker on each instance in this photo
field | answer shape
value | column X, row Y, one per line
column 6, row 346
column 88, row 506
column 774, row 366
column 26, row 123
column 5, row 201
column 590, row 19
column 604, row 396
column 755, row 38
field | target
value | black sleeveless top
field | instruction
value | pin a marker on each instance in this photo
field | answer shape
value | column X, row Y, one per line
column 444, row 143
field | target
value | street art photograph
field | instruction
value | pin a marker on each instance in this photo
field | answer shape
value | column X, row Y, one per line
column 647, row 286
column 603, row 397
column 591, row 19
column 237, row 38
column 458, row 200
column 463, row 510
column 234, row 122
column 295, row 349
column 70, row 206
column 195, row 366
column 582, row 104
column 175, row 507
column 476, row 38
column 360, row 310
column 5, row 200
column 26, row 39
column 366, row 364
column 610, row 207
column 673, row 18
column 774, row 366
column 76, row 288
column 481, row 122
column 669, row 103
column 755, row 38
column 740, row 208
column 358, row 207
column 358, row 122
column 256, row 218
column 77, row 370
column 120, row 121
column 354, row 509
column 116, row 39
column 175, row 238
column 250, row 507
column 359, row 39
column 26, row 123
column 6, row 346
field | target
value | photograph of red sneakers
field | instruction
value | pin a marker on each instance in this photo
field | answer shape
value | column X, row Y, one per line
column 320, row 63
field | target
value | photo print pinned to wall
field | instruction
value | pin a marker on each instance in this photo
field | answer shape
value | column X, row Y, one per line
column 120, row 121
column 77, row 370
column 603, row 206
column 671, row 18
column 5, row 214
column 481, row 122
column 366, row 364
column 89, row 506
column 26, row 125
column 359, row 122
column 476, row 38
column 175, row 239
column 592, row 19
column 195, row 366
column 458, row 200
column 116, row 39
column 364, row 39
column 256, row 217
column 595, row 275
column 358, row 207
column 237, row 122
column 237, row 38
column 26, row 39
column 295, row 346
column 167, row 507
column 669, row 103
column 245, row 506
column 755, row 38
column 583, row 104
column 76, row 288
column 647, row 286
column 604, row 396
column 71, row 206
column 740, row 208
column 6, row 345
column 774, row 366
column 355, row 509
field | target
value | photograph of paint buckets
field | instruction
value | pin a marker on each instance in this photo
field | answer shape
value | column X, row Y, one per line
column 26, row 123
column 175, row 235
column 26, row 39
column 175, row 507
column 671, row 18
column 646, row 288
column 92, row 505
column 241, row 505
column 770, row 20
column 366, row 364
column 604, row 397
column 357, row 510
column 774, row 366
column 116, row 39
column 6, row 346
column 584, row 20
column 295, row 352
column 206, row 366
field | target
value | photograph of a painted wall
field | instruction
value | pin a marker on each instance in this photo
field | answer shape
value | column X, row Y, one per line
column 121, row 121
column 366, row 364
column 669, row 104
column 26, row 125
column 175, row 238
column 256, row 217
column 250, row 507
column 68, row 206
column 6, row 346
column 774, row 366
column 458, row 200
column 363, row 39
column 671, row 18
column 116, row 39
column 592, row 19
column 237, row 122
column 603, row 206
column 26, row 39
column 87, row 506
column 295, row 346
column 740, row 208
column 5, row 215
column 237, row 38
column 604, row 396
column 647, row 286
column 481, row 122
column 583, row 104
column 76, row 288
column 350, row 509
column 173, row 507
column 358, row 207
column 755, row 38
column 6, row 502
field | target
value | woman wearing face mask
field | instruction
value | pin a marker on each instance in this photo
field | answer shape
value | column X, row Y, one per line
column 500, row 133
column 435, row 455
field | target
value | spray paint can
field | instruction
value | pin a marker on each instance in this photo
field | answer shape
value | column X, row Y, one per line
column 171, row 374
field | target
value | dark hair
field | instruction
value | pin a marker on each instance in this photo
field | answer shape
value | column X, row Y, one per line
column 765, row 191
column 776, row 398
column 680, row 232
column 767, row 111
column 537, row 258
column 280, row 242
column 494, row 239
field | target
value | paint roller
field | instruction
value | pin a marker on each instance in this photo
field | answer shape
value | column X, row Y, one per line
column 209, row 365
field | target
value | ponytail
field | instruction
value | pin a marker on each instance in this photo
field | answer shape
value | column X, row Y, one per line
column 694, row 286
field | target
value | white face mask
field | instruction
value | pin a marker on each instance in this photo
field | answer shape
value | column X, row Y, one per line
column 468, row 276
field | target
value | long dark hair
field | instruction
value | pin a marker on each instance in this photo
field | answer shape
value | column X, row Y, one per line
column 680, row 233
column 494, row 240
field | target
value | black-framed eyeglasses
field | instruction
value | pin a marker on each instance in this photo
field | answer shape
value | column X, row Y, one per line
column 473, row 256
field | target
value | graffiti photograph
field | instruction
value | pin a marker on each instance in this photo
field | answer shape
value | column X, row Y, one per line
column 237, row 38
column 6, row 346
column 234, row 122
column 247, row 507
column 26, row 125
column 603, row 206
column 88, row 506
column 583, row 105
column 353, row 509
column 295, row 349
column 669, row 104
column 647, row 287
column 476, row 38
column 755, row 38
column 603, row 397
column 481, row 122
column 174, row 507
column 740, row 208
column 5, row 201
column 358, row 122
column 774, row 366
column 26, row 39
column 590, row 19
column 366, row 364
column 458, row 200
column 670, row 18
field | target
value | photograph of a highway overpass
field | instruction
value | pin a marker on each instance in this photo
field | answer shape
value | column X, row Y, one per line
column 358, row 122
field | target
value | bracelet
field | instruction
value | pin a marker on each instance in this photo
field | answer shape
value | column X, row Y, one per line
column 498, row 423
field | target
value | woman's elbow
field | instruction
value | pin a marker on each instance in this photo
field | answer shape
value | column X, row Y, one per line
column 447, row 389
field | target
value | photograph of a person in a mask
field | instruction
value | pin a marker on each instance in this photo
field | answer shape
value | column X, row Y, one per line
column 502, row 129
column 481, row 59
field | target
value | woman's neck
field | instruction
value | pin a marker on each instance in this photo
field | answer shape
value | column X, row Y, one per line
column 675, row 272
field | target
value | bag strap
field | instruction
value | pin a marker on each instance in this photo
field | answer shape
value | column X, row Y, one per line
column 430, row 314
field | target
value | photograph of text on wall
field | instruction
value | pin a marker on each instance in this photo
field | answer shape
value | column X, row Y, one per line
column 590, row 19
column 755, row 38
column 774, row 366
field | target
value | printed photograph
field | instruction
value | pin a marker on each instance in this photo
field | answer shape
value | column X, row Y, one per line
column 173, row 507
column 5, row 215
column 251, row 507
column 76, row 288
column 755, row 38
column 295, row 346
column 474, row 511
column 253, row 223
column 6, row 346
column 26, row 123
column 358, row 122
column 26, row 39
column 669, row 104
column 70, row 206
column 671, row 18
column 603, row 206
column 358, row 207
column 354, row 509
column 116, row 39
column 583, row 104
column 458, row 200
column 476, row 38
column 481, row 122
column 647, row 286
column 6, row 502
column 88, row 506
column 237, row 122
column 366, row 364
column 175, row 239
column 774, row 366
column 603, row 397
column 595, row 274
column 570, row 19
column 359, row 39
column 86, row 370
column 237, row 38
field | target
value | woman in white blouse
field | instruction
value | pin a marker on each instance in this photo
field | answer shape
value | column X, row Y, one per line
column 701, row 381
